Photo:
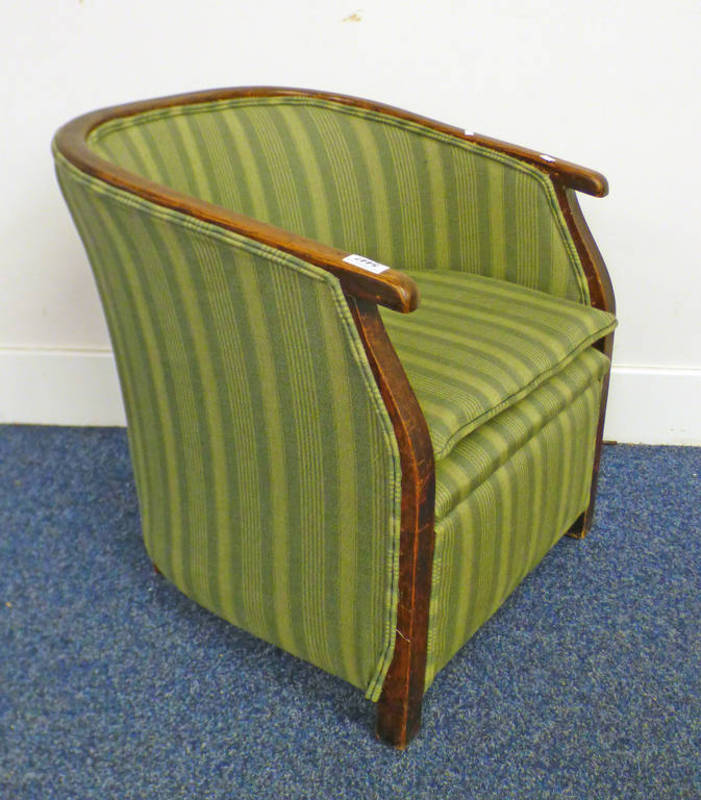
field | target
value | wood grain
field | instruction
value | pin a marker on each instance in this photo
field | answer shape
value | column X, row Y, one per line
column 602, row 296
column 399, row 707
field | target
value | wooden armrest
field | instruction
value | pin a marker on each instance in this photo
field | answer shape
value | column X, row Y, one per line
column 389, row 288
column 572, row 176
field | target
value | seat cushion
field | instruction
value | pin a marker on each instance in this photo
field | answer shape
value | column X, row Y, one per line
column 477, row 456
column 477, row 345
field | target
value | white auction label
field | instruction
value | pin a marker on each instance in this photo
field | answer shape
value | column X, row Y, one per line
column 365, row 263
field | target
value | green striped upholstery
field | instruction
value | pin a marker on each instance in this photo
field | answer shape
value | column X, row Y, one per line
column 264, row 458
column 386, row 188
column 476, row 345
column 494, row 537
column 477, row 456
column 265, row 461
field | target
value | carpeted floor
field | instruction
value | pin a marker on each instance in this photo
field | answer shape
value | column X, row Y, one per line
column 113, row 685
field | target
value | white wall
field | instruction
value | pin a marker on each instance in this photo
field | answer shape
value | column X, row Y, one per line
column 612, row 85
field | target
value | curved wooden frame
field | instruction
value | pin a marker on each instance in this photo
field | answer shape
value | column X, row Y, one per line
column 601, row 296
column 399, row 708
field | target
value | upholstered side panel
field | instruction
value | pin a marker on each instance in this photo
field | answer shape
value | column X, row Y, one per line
column 492, row 539
column 395, row 191
column 266, row 465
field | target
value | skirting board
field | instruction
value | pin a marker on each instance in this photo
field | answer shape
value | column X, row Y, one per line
column 654, row 405
column 647, row 404
column 59, row 387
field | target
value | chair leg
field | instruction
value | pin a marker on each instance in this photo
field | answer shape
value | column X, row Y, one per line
column 394, row 726
column 582, row 525
column 399, row 708
column 578, row 530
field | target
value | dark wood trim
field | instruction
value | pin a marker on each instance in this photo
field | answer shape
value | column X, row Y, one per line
column 598, row 278
column 399, row 707
column 602, row 296
column 573, row 176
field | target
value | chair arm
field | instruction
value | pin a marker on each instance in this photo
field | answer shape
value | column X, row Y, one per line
column 572, row 176
column 387, row 287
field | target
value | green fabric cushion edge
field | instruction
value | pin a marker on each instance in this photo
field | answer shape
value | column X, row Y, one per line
column 510, row 401
column 600, row 366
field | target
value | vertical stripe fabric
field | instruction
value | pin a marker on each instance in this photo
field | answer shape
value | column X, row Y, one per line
column 489, row 541
column 387, row 188
column 476, row 456
column 265, row 462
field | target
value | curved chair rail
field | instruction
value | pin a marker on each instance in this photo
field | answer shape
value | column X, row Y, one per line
column 390, row 288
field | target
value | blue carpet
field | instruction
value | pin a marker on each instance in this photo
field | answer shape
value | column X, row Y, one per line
column 113, row 685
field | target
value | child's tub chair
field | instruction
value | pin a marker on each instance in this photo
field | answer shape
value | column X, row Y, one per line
column 364, row 359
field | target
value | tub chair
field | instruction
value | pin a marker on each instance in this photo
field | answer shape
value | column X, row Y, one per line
column 364, row 359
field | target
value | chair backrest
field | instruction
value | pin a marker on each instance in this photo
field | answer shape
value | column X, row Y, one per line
column 363, row 181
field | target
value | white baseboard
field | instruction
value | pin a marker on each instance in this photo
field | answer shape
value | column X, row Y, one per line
column 647, row 404
column 654, row 405
column 59, row 387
